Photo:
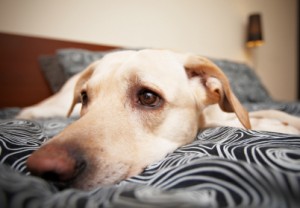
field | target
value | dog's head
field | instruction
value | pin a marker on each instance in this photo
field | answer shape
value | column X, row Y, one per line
column 137, row 106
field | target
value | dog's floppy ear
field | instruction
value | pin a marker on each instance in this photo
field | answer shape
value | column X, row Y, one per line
column 217, row 87
column 84, row 76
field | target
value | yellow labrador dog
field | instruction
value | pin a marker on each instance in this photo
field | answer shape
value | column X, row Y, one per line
column 137, row 106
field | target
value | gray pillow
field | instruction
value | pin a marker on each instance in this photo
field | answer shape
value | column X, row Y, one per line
column 52, row 72
column 73, row 61
column 244, row 82
column 58, row 68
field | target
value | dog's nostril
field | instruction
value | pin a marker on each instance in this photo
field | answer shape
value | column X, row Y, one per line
column 56, row 164
column 63, row 179
column 50, row 176
column 68, row 172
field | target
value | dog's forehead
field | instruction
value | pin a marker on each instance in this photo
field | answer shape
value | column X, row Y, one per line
column 156, row 66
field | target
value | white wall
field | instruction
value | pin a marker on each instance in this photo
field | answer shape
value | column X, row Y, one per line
column 214, row 28
column 276, row 61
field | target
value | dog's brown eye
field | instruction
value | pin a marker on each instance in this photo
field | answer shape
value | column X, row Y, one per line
column 84, row 98
column 149, row 99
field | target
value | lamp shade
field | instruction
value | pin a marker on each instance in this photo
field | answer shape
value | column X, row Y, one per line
column 254, row 32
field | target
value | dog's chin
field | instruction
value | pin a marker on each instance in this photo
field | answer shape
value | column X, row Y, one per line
column 90, row 180
column 89, row 185
column 86, row 185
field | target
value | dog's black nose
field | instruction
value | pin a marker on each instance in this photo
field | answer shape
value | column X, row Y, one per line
column 55, row 163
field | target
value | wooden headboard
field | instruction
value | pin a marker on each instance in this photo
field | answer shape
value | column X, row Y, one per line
column 21, row 81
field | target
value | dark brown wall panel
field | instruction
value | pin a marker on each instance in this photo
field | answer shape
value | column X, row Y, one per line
column 21, row 80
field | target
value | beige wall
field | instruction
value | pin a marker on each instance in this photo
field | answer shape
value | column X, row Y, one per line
column 214, row 28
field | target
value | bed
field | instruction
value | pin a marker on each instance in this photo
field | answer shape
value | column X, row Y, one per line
column 223, row 167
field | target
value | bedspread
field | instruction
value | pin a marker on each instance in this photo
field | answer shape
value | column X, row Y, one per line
column 223, row 167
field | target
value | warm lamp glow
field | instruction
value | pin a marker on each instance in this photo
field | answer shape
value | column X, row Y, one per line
column 254, row 33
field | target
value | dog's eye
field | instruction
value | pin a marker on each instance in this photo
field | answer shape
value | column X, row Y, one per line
column 149, row 99
column 84, row 98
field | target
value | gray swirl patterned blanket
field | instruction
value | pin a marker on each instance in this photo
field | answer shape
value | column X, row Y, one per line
column 223, row 167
